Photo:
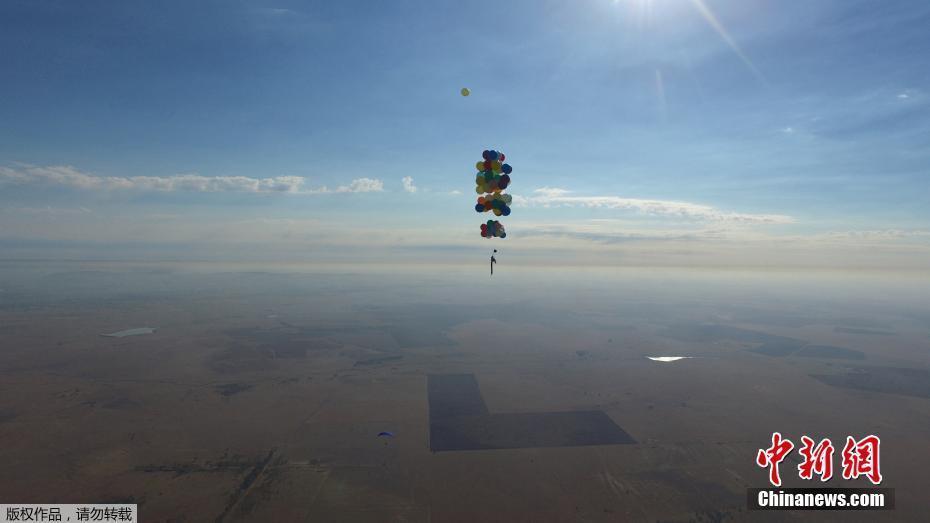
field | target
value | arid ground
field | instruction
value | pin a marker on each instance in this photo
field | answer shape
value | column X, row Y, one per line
column 526, row 397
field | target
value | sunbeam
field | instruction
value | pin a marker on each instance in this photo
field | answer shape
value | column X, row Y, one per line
column 711, row 19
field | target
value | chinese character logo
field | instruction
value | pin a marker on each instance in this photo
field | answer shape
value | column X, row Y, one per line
column 861, row 458
column 774, row 455
column 817, row 460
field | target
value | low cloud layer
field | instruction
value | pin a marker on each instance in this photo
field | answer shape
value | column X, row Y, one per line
column 554, row 197
column 70, row 177
column 616, row 237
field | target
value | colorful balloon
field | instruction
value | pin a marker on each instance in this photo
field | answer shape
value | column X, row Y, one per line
column 504, row 181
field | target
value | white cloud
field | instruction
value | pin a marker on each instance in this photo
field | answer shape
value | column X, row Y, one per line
column 555, row 197
column 408, row 184
column 273, row 12
column 788, row 130
column 68, row 176
column 362, row 185
column 904, row 96
column 551, row 192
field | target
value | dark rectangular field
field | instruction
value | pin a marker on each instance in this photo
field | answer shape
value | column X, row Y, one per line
column 459, row 420
column 526, row 430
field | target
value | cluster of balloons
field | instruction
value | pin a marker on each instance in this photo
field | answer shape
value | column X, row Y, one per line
column 497, row 203
column 493, row 177
column 493, row 229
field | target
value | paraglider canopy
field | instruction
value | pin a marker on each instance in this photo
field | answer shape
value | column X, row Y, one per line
column 385, row 434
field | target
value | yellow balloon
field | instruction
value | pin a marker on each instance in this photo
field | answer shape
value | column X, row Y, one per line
column 465, row 91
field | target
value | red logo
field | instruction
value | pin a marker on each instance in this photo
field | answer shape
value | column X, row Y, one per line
column 774, row 455
column 817, row 460
column 860, row 458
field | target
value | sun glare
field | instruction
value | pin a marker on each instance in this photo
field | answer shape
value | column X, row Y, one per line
column 645, row 12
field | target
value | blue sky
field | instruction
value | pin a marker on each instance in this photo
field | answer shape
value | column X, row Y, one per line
column 648, row 132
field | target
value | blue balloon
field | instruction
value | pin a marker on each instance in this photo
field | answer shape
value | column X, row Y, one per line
column 503, row 235
column 492, row 155
column 505, row 211
column 479, row 207
column 486, row 155
column 506, row 168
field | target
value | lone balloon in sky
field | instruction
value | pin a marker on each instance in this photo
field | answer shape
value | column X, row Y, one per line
column 465, row 91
